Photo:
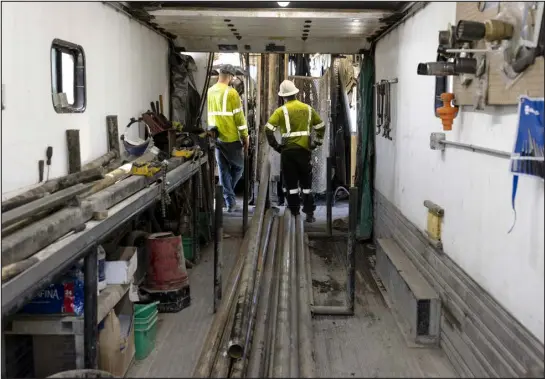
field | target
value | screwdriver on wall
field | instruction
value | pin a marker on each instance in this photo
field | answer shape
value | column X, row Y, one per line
column 48, row 154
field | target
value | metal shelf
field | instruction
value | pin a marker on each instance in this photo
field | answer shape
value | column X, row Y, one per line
column 60, row 255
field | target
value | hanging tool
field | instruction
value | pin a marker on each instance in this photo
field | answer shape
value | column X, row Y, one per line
column 386, row 124
column 165, row 197
column 380, row 105
column 49, row 155
column 41, row 164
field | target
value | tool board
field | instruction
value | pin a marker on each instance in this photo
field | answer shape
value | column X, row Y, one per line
column 530, row 83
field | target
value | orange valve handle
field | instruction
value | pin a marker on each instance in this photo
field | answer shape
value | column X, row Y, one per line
column 447, row 112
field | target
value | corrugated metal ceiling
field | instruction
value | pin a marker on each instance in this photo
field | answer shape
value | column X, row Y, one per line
column 301, row 27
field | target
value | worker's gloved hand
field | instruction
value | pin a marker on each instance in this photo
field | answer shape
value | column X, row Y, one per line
column 314, row 145
column 279, row 148
column 213, row 132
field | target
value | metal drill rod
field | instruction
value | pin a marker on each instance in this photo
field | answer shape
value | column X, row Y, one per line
column 245, row 193
column 213, row 339
column 222, row 361
column 257, row 359
column 239, row 367
column 293, row 309
column 281, row 361
column 329, row 194
column 218, row 244
column 348, row 309
column 267, row 369
column 306, row 363
column 237, row 340
column 308, row 270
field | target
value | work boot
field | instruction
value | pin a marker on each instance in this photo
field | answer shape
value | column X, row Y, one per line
column 233, row 208
column 310, row 218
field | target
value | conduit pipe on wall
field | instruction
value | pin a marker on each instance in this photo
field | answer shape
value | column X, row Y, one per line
column 438, row 142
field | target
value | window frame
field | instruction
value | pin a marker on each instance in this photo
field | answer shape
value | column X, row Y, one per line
column 80, row 88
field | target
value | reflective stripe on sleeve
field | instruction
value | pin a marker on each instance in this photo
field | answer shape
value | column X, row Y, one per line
column 235, row 111
column 306, row 191
column 242, row 127
column 294, row 191
column 319, row 126
column 270, row 126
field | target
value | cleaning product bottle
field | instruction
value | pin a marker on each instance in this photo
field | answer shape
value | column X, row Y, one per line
column 101, row 254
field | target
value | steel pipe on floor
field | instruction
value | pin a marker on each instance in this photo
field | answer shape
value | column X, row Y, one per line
column 348, row 309
column 218, row 244
column 280, row 362
column 306, row 363
column 267, row 367
column 259, row 348
column 237, row 339
column 240, row 366
column 293, row 309
column 210, row 348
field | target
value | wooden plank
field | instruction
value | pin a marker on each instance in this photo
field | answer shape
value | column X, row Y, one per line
column 74, row 155
column 530, row 83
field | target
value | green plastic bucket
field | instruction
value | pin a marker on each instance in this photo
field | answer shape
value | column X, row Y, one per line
column 143, row 311
column 143, row 323
column 188, row 247
column 144, row 338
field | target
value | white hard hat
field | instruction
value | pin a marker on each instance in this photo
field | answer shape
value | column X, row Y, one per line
column 287, row 88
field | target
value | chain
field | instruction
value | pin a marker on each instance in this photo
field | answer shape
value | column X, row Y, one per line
column 165, row 198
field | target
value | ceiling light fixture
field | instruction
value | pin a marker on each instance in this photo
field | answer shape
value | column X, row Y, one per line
column 355, row 20
column 283, row 4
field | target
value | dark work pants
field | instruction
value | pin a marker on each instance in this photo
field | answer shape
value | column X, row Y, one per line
column 230, row 159
column 297, row 177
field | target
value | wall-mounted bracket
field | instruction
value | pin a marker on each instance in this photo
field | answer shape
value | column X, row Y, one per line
column 436, row 140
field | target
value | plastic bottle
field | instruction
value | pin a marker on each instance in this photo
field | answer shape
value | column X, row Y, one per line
column 101, row 272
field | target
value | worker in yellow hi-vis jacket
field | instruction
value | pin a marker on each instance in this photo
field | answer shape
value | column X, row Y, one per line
column 295, row 121
column 227, row 124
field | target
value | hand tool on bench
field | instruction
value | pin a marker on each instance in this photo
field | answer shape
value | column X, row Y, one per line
column 49, row 155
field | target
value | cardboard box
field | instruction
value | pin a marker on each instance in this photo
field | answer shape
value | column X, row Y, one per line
column 121, row 270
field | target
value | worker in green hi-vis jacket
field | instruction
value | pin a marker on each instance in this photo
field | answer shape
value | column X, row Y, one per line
column 226, row 123
column 295, row 120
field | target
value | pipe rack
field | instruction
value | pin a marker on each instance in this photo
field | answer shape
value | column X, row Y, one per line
column 58, row 256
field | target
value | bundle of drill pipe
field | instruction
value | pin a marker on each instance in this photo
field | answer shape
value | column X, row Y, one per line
column 263, row 325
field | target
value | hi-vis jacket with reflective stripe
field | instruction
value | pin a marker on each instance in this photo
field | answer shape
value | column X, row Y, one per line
column 226, row 113
column 295, row 119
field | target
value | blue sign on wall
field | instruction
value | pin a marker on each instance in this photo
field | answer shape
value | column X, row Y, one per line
column 528, row 156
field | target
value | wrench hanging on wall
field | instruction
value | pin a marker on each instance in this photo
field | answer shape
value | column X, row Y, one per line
column 383, row 103
column 379, row 91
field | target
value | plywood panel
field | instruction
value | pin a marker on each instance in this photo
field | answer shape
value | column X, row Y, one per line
column 530, row 83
